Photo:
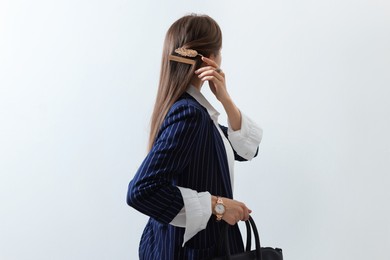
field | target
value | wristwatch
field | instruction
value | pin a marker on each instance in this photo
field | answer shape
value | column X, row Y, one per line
column 219, row 208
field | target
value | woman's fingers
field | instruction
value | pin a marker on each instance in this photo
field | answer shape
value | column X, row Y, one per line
column 210, row 62
column 235, row 211
column 211, row 78
column 206, row 68
column 215, row 78
column 246, row 215
column 217, row 75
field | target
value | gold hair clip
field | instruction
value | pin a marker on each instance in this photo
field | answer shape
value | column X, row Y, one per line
column 186, row 53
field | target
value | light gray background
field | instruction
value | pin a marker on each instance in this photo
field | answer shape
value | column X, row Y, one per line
column 77, row 85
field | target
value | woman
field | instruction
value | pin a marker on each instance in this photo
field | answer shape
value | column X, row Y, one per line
column 185, row 182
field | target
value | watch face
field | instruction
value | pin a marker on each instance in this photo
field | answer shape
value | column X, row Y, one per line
column 219, row 208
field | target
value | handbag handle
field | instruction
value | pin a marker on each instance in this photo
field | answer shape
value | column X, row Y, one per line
column 250, row 224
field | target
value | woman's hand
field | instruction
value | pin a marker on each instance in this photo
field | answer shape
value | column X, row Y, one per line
column 234, row 210
column 215, row 78
column 218, row 87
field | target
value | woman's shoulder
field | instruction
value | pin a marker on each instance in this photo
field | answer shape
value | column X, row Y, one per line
column 187, row 102
column 186, row 108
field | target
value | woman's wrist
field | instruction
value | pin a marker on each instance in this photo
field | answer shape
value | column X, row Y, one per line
column 226, row 100
column 213, row 203
column 219, row 207
column 233, row 113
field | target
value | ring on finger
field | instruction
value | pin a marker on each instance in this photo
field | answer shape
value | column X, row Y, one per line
column 218, row 70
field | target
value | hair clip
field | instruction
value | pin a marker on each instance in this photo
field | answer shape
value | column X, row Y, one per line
column 181, row 59
column 185, row 53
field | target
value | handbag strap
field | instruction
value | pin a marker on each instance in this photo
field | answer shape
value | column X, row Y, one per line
column 257, row 238
column 250, row 226
column 248, row 237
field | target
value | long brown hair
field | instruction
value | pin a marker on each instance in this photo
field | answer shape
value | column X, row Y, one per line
column 197, row 32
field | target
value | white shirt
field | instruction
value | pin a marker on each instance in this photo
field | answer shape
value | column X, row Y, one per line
column 196, row 212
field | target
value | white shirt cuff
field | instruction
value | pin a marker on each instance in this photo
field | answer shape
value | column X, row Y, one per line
column 246, row 140
column 195, row 214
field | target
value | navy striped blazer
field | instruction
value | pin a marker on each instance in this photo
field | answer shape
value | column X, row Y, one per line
column 188, row 152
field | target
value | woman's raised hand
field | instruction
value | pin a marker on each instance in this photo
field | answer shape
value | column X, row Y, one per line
column 216, row 78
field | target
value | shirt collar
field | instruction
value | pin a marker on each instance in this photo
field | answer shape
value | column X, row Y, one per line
column 198, row 96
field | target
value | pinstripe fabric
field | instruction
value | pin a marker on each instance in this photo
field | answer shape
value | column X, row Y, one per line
column 188, row 152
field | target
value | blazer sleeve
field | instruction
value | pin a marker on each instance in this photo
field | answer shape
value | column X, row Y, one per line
column 152, row 191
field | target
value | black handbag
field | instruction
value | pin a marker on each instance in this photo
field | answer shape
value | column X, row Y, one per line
column 260, row 253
